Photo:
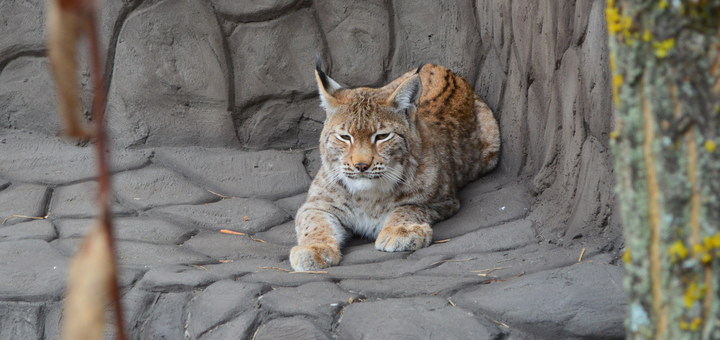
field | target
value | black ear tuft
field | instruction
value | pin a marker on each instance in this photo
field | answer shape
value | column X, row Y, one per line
column 321, row 74
column 420, row 67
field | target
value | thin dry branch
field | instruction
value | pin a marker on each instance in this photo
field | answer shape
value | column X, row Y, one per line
column 68, row 20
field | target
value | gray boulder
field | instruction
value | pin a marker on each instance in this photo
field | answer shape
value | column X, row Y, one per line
column 422, row 318
column 584, row 301
column 27, row 96
column 170, row 84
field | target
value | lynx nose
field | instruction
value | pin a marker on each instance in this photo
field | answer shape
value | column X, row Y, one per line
column 362, row 167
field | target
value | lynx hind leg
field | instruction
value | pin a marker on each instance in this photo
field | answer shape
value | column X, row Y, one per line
column 489, row 135
column 404, row 237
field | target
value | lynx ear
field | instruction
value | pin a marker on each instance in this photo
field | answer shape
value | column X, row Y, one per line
column 407, row 94
column 327, row 88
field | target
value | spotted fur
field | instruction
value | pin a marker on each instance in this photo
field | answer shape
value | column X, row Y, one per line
column 393, row 160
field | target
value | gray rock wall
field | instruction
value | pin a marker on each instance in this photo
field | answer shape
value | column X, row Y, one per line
column 222, row 73
column 200, row 91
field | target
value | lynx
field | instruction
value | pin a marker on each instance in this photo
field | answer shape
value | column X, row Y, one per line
column 393, row 160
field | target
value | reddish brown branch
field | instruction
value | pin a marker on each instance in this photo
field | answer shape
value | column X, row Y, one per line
column 98, row 113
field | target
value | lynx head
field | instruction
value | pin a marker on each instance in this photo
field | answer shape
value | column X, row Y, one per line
column 370, row 138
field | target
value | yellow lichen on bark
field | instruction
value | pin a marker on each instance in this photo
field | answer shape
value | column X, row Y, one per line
column 695, row 189
column 659, row 308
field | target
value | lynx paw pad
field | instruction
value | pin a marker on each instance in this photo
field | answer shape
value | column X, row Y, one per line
column 404, row 238
column 314, row 257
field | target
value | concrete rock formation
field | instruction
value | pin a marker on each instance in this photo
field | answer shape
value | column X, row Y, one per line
column 214, row 120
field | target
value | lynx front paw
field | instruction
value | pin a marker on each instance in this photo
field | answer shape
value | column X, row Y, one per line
column 314, row 257
column 412, row 237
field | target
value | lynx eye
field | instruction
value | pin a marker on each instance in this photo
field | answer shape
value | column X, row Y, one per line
column 382, row 137
column 344, row 138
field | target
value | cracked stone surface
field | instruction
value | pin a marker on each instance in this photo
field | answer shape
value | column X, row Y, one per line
column 79, row 200
column 422, row 318
column 524, row 302
column 155, row 186
column 18, row 202
column 38, row 229
column 214, row 120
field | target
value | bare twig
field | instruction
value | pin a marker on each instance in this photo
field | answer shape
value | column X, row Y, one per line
column 93, row 276
column 276, row 268
column 516, row 276
column 23, row 216
column 310, row 272
column 257, row 240
column 98, row 108
column 505, row 260
column 465, row 260
column 500, row 323
column 581, row 255
column 297, row 151
column 222, row 196
column 485, row 272
column 225, row 231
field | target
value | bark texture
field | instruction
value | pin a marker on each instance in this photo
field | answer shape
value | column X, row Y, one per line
column 664, row 59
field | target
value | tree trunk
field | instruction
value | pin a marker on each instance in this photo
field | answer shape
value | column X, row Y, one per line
column 665, row 58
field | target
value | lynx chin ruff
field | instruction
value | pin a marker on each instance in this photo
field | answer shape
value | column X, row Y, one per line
column 393, row 160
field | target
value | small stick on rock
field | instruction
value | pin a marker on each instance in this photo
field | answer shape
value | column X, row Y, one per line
column 465, row 260
column 310, row 272
column 23, row 216
column 276, row 268
column 221, row 196
column 505, row 260
column 485, row 272
column 225, row 231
